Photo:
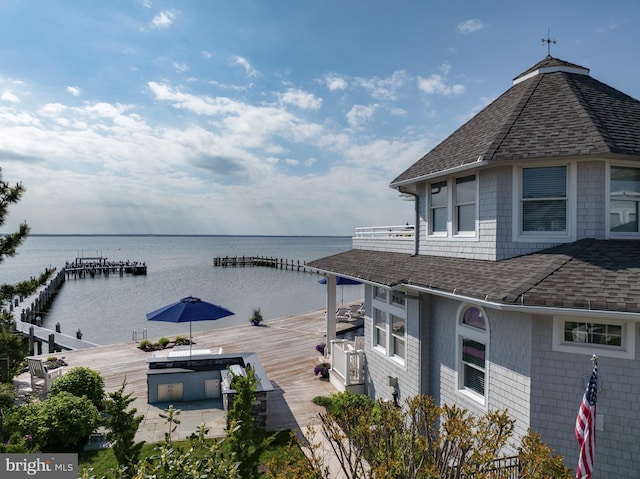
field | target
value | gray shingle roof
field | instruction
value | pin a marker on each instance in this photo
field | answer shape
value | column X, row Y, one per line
column 553, row 114
column 590, row 274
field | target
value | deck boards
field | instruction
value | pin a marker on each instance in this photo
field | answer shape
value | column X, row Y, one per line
column 286, row 348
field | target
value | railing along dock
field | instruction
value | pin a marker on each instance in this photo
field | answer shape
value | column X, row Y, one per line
column 268, row 262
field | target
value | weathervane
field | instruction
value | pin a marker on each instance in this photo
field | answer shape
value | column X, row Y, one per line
column 548, row 41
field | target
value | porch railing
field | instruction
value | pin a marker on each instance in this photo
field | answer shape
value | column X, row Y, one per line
column 347, row 360
column 385, row 232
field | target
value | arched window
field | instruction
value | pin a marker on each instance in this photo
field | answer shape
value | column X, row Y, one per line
column 473, row 339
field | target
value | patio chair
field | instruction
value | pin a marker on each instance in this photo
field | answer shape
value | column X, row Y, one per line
column 342, row 314
column 41, row 378
column 355, row 310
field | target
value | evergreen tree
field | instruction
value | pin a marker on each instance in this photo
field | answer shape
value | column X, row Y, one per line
column 123, row 425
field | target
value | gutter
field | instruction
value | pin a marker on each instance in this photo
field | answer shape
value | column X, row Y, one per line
column 525, row 309
column 436, row 174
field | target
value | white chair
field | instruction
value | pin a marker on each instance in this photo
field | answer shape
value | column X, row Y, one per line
column 342, row 314
column 41, row 378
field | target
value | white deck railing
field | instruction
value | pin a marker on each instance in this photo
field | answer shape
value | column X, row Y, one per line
column 347, row 360
column 386, row 232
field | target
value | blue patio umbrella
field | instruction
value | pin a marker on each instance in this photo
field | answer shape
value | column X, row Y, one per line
column 342, row 281
column 188, row 310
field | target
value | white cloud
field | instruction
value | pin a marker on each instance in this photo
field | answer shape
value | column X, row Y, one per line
column 385, row 88
column 181, row 67
column 163, row 19
column 74, row 90
column 9, row 96
column 469, row 26
column 243, row 62
column 301, row 99
column 436, row 85
column 360, row 114
column 206, row 54
column 335, row 82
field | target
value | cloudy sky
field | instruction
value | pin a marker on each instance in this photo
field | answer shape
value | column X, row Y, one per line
column 278, row 117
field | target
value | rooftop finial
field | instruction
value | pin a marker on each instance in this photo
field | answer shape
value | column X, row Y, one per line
column 548, row 41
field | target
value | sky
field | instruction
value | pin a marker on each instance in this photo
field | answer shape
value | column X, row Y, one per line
column 262, row 117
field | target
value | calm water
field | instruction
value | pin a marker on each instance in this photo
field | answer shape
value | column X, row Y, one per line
column 108, row 309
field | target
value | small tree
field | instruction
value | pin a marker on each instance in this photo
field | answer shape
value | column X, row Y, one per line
column 422, row 440
column 240, row 418
column 123, row 425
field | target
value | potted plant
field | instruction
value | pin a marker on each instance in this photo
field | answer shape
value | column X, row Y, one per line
column 321, row 348
column 322, row 369
column 256, row 317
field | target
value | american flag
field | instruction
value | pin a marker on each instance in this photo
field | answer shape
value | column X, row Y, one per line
column 586, row 427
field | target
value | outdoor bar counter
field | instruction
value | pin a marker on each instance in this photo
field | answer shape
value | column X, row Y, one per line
column 181, row 374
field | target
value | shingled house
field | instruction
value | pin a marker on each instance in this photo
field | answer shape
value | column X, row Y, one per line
column 523, row 262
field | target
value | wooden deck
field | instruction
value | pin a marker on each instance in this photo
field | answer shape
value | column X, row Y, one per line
column 286, row 348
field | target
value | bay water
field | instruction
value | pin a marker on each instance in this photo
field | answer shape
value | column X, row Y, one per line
column 108, row 309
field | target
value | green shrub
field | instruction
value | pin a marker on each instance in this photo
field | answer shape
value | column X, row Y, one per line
column 164, row 342
column 81, row 381
column 7, row 395
column 61, row 422
column 145, row 345
column 181, row 341
column 323, row 401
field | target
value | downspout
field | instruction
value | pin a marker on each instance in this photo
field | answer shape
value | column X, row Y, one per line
column 416, row 222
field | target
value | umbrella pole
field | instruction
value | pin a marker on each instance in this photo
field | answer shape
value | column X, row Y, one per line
column 190, row 340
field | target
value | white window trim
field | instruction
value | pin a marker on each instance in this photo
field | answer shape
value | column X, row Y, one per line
column 481, row 336
column 607, row 219
column 388, row 310
column 451, row 232
column 545, row 236
column 626, row 351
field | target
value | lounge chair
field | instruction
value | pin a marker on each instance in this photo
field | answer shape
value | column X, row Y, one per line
column 342, row 314
column 41, row 378
column 355, row 310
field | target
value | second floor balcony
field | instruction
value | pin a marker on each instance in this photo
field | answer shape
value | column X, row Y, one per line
column 398, row 239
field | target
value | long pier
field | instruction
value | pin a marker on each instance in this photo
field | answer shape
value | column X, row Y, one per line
column 266, row 261
column 97, row 265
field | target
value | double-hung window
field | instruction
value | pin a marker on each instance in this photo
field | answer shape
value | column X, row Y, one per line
column 465, row 204
column 452, row 206
column 438, row 207
column 390, row 324
column 380, row 329
column 624, row 202
column 472, row 353
column 544, row 200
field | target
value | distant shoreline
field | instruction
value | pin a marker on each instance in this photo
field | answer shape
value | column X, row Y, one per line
column 144, row 235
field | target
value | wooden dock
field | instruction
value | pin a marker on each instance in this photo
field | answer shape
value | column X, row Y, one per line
column 265, row 261
column 286, row 348
column 97, row 265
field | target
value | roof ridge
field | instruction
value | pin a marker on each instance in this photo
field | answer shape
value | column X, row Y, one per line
column 600, row 135
column 519, row 290
column 510, row 121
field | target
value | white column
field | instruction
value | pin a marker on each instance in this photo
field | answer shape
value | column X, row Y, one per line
column 331, row 311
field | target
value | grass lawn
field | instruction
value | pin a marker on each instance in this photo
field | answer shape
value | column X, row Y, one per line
column 102, row 463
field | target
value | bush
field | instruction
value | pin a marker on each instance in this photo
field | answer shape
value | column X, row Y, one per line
column 81, row 381
column 181, row 341
column 61, row 422
column 145, row 345
column 164, row 342
column 7, row 395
